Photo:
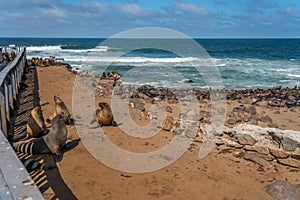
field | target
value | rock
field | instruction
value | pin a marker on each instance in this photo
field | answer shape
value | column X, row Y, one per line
column 192, row 115
column 259, row 149
column 262, row 103
column 230, row 143
column 168, row 123
column 279, row 153
column 172, row 100
column 289, row 162
column 238, row 109
column 283, row 190
column 169, row 109
column 276, row 112
column 252, row 156
column 231, row 121
column 290, row 104
column 251, row 110
column 246, row 100
column 245, row 139
column 289, row 144
column 266, row 119
column 190, row 133
column 296, row 154
column 238, row 153
column 137, row 104
column 238, row 118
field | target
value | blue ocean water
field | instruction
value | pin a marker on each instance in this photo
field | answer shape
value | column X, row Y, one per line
column 241, row 63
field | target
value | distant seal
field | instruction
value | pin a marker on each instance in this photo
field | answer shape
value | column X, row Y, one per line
column 50, row 143
column 35, row 123
column 60, row 108
column 115, row 75
column 104, row 115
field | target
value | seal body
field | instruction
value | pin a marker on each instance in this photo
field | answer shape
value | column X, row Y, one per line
column 35, row 123
column 104, row 115
column 53, row 142
column 60, row 108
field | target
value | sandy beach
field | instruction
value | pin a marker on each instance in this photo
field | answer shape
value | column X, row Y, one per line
column 222, row 174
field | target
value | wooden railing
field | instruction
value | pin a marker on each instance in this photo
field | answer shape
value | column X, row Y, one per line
column 15, row 182
column 10, row 78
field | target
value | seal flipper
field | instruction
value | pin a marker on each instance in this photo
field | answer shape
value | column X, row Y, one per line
column 70, row 145
column 58, row 158
column 114, row 123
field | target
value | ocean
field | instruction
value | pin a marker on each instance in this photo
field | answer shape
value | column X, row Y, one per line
column 241, row 63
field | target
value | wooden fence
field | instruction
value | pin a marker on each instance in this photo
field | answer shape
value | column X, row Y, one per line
column 10, row 78
column 15, row 182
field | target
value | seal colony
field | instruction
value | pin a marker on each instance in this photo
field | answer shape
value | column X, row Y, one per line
column 54, row 141
column 246, row 161
column 50, row 143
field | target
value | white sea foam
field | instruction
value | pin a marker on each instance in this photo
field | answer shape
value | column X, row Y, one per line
column 132, row 59
column 58, row 48
column 43, row 48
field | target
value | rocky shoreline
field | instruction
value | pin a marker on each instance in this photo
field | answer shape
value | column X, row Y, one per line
column 241, row 134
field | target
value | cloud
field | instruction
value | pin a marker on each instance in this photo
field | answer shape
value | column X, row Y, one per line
column 101, row 19
column 133, row 10
column 291, row 12
column 191, row 8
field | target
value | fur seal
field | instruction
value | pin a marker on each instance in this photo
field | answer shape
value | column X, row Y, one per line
column 115, row 75
column 60, row 108
column 35, row 123
column 104, row 115
column 53, row 142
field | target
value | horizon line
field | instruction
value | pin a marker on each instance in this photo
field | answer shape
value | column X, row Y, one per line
column 42, row 37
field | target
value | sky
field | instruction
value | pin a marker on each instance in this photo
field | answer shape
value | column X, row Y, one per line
column 195, row 18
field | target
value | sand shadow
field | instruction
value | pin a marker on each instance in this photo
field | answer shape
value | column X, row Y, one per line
column 42, row 168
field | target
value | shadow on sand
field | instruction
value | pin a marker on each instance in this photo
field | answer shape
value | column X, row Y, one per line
column 42, row 168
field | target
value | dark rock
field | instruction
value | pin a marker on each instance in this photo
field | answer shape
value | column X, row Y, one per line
column 266, row 119
column 289, row 144
column 251, row 110
column 238, row 118
column 283, row 190
column 231, row 121
column 238, row 109
column 296, row 154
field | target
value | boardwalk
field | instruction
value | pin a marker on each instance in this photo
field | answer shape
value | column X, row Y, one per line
column 15, row 182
